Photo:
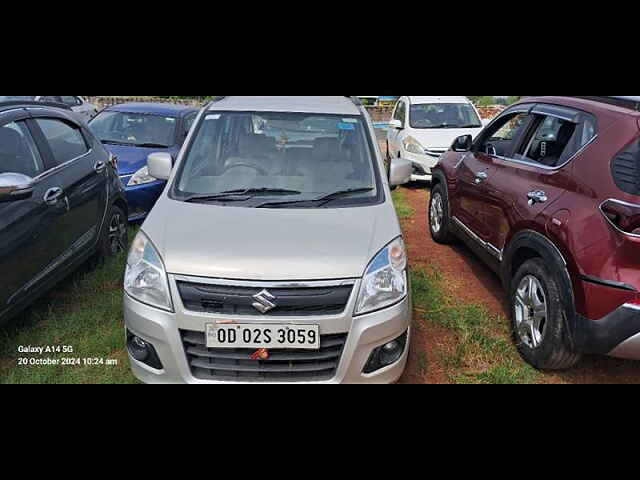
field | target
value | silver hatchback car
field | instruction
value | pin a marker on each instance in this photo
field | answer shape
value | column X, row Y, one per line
column 274, row 254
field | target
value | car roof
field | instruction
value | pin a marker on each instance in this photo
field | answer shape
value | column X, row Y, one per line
column 164, row 109
column 436, row 100
column 16, row 105
column 588, row 104
column 338, row 105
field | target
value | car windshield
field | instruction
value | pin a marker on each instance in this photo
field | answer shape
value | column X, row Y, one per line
column 296, row 160
column 444, row 115
column 134, row 129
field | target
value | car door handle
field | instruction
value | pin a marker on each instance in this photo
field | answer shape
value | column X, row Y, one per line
column 100, row 167
column 537, row 196
column 52, row 196
column 481, row 177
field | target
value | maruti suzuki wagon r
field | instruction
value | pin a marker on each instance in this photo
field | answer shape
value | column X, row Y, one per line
column 274, row 254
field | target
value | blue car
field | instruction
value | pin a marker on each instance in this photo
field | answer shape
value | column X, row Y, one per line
column 131, row 132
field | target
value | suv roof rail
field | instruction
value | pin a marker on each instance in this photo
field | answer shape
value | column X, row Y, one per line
column 33, row 103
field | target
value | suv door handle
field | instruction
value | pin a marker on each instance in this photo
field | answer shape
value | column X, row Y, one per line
column 100, row 167
column 481, row 177
column 52, row 196
column 537, row 196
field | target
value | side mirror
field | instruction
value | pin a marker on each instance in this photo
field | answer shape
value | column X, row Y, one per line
column 160, row 165
column 14, row 187
column 462, row 144
column 400, row 172
column 396, row 124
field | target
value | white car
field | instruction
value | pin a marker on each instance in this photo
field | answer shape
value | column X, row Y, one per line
column 423, row 128
column 84, row 110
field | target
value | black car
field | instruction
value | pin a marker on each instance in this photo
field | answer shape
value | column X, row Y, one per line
column 61, row 201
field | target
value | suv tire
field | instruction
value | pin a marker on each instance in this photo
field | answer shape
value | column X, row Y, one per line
column 538, row 319
column 438, row 215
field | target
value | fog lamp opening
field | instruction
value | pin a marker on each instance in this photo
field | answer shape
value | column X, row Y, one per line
column 143, row 351
column 386, row 355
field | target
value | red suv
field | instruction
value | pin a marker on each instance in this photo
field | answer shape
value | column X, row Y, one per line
column 549, row 196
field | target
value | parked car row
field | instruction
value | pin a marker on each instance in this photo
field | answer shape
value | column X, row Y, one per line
column 271, row 250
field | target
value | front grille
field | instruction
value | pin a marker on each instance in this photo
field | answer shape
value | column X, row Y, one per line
column 235, row 364
column 237, row 300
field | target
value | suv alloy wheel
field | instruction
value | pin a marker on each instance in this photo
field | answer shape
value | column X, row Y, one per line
column 538, row 318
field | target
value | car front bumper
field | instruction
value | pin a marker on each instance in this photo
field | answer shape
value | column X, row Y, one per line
column 422, row 165
column 142, row 198
column 365, row 333
column 616, row 335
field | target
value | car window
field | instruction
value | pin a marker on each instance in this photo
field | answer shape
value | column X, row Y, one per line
column 188, row 123
column 18, row 152
column 71, row 101
column 589, row 131
column 310, row 154
column 554, row 140
column 500, row 139
column 401, row 112
column 443, row 115
column 66, row 142
column 551, row 141
column 137, row 129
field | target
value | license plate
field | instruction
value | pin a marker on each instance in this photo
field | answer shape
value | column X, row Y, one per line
column 297, row 337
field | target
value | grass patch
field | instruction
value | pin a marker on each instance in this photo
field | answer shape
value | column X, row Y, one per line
column 484, row 352
column 84, row 312
column 404, row 209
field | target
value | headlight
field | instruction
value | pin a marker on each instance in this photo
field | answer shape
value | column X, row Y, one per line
column 411, row 145
column 141, row 177
column 385, row 281
column 145, row 278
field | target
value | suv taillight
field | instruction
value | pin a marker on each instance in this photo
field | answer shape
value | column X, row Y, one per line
column 623, row 216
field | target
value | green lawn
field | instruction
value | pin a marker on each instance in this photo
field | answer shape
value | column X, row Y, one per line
column 484, row 352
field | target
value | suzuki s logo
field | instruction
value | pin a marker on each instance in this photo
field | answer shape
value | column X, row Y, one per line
column 264, row 303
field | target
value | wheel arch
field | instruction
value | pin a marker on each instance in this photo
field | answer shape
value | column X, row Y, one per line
column 122, row 203
column 528, row 244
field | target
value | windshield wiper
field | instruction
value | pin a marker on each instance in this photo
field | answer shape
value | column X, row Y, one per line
column 151, row 145
column 246, row 194
column 115, row 142
column 323, row 200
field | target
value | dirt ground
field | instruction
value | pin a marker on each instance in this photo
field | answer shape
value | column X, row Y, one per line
column 470, row 281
